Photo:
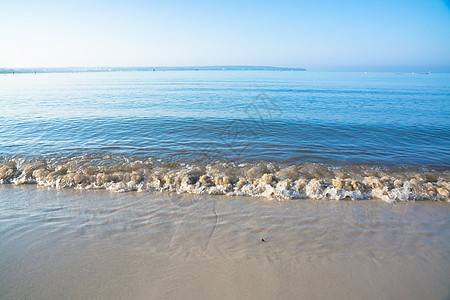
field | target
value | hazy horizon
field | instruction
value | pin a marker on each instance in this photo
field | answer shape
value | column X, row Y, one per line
column 64, row 69
column 405, row 36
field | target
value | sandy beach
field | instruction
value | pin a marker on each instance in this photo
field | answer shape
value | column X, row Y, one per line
column 70, row 244
column 225, row 150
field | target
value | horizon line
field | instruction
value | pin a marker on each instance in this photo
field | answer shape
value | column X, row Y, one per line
column 6, row 70
column 146, row 68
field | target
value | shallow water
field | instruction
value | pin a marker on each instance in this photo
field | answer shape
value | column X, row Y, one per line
column 83, row 125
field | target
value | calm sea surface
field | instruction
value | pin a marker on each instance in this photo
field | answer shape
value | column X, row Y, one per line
column 378, row 118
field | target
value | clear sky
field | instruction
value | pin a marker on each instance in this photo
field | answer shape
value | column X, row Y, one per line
column 373, row 35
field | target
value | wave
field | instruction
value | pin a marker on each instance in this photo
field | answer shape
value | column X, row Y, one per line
column 260, row 179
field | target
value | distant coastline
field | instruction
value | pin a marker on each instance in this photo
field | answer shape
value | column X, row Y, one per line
column 127, row 69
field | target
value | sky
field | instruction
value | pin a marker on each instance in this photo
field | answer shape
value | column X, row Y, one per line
column 322, row 35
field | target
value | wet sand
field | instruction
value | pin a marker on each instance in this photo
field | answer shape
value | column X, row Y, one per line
column 70, row 244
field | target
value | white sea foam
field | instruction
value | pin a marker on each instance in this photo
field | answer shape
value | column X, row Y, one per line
column 316, row 181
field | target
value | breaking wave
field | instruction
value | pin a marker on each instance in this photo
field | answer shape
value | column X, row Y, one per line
column 262, row 179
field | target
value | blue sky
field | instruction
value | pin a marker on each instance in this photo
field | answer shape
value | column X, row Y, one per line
column 318, row 35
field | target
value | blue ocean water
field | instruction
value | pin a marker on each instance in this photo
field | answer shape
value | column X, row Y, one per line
column 350, row 118
column 384, row 120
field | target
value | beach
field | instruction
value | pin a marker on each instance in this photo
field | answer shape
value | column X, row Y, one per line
column 73, row 244
column 238, row 184
column 225, row 150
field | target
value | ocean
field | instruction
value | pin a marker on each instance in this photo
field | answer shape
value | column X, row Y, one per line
column 274, row 134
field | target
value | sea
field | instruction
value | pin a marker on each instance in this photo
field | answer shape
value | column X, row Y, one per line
column 268, row 133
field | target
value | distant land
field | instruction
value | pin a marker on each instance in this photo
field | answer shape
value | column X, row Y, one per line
column 127, row 69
